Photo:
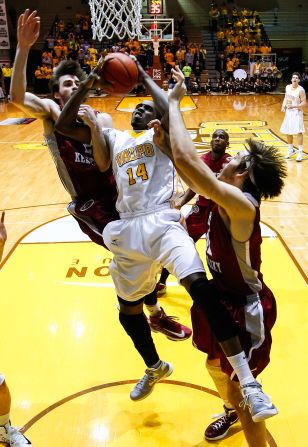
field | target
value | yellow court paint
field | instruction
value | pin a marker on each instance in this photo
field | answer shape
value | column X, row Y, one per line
column 60, row 336
column 30, row 146
column 128, row 103
column 239, row 132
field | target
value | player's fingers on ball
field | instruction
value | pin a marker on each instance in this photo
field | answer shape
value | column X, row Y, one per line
column 2, row 216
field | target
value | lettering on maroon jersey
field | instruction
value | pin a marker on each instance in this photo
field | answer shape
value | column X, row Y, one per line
column 213, row 265
column 79, row 158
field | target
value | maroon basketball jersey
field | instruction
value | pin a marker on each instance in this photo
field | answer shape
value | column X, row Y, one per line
column 82, row 173
column 216, row 167
column 235, row 266
column 94, row 193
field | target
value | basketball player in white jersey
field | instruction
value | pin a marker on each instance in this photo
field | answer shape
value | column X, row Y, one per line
column 8, row 434
column 150, row 233
column 93, row 192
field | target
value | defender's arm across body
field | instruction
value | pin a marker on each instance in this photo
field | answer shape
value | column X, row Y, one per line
column 236, row 208
column 90, row 130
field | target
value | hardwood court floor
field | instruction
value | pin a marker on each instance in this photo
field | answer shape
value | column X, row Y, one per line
column 69, row 364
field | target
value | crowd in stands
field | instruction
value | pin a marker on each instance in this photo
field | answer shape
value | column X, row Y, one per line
column 72, row 41
column 240, row 41
column 224, row 85
column 238, row 33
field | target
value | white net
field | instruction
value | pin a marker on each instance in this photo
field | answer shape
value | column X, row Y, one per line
column 119, row 18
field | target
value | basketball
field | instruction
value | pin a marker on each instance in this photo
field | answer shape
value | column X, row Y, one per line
column 120, row 70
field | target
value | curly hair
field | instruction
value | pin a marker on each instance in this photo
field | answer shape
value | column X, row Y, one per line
column 65, row 68
column 266, row 168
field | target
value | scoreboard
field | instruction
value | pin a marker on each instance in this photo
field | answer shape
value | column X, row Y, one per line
column 155, row 7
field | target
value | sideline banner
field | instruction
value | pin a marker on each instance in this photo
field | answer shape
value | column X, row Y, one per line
column 4, row 33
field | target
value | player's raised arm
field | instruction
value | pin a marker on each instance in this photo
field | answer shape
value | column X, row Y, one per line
column 199, row 177
column 28, row 29
column 67, row 123
column 90, row 128
column 159, row 96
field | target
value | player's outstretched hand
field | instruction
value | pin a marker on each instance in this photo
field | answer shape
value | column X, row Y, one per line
column 159, row 134
column 96, row 79
column 179, row 88
column 161, row 139
column 28, row 28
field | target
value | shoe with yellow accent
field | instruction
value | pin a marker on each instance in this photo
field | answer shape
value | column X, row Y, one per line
column 145, row 386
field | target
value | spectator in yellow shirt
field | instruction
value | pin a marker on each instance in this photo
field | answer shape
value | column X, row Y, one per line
column 229, row 68
column 7, row 74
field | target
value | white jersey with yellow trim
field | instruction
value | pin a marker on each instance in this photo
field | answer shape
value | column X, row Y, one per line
column 145, row 176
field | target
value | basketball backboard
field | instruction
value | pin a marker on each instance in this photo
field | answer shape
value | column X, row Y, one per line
column 154, row 27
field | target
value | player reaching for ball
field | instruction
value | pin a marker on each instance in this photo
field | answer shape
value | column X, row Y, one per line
column 93, row 192
column 150, row 233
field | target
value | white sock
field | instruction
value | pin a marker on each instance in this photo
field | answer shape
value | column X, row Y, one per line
column 290, row 147
column 300, row 148
column 241, row 368
column 153, row 309
column 2, row 379
column 4, row 419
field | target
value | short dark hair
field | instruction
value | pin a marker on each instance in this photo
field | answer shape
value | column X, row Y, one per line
column 296, row 73
column 65, row 68
column 266, row 168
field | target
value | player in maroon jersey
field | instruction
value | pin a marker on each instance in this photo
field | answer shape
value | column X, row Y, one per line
column 93, row 192
column 196, row 219
column 233, row 256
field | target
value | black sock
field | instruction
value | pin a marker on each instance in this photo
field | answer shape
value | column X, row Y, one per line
column 164, row 275
column 150, row 299
column 207, row 298
column 137, row 327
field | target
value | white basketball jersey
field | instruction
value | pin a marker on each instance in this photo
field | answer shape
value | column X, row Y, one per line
column 145, row 176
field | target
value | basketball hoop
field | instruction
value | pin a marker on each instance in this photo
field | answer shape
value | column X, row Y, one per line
column 115, row 17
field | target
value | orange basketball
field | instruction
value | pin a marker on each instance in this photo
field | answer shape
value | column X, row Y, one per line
column 120, row 70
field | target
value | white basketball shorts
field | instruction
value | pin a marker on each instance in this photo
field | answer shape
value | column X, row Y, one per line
column 142, row 245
